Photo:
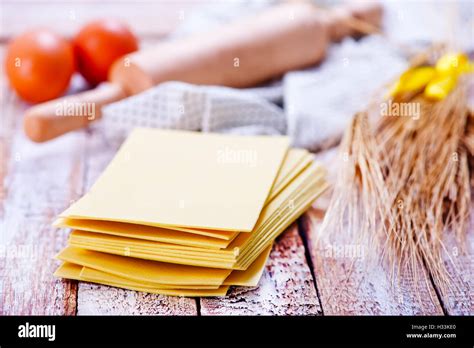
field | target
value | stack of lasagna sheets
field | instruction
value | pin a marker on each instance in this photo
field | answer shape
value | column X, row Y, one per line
column 188, row 214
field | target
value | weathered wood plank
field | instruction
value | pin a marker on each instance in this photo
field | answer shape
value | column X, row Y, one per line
column 351, row 284
column 96, row 299
column 460, row 300
column 286, row 286
column 458, row 261
column 38, row 181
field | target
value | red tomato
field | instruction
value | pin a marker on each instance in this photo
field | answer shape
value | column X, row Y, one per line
column 99, row 44
column 39, row 65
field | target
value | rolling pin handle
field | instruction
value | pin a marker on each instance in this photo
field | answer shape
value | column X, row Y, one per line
column 49, row 120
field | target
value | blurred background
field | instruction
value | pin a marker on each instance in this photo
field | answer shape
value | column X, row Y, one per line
column 407, row 20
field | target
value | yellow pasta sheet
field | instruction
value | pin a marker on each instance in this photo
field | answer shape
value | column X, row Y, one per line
column 219, row 239
column 293, row 171
column 105, row 226
column 73, row 271
column 284, row 212
column 295, row 161
column 247, row 258
column 251, row 247
column 144, row 270
column 250, row 277
column 188, row 179
column 155, row 250
column 286, row 199
column 270, row 211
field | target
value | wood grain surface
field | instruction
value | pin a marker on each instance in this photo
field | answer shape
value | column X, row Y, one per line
column 350, row 284
column 36, row 187
column 460, row 299
column 286, row 287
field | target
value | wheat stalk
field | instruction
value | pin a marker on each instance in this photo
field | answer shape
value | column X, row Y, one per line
column 404, row 185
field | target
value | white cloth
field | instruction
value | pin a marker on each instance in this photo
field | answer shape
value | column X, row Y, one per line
column 177, row 105
column 320, row 102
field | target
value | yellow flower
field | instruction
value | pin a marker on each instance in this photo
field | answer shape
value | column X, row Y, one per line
column 436, row 82
column 412, row 80
column 440, row 86
column 451, row 63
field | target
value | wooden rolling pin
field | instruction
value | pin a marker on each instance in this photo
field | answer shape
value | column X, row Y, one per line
column 241, row 54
